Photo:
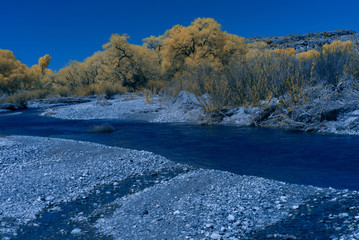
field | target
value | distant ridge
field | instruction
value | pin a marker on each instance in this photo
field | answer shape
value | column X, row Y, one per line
column 307, row 41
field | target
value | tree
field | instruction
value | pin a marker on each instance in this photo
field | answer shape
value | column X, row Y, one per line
column 134, row 65
column 203, row 40
column 12, row 72
column 44, row 62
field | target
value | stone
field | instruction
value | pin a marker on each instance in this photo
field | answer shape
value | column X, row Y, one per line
column 215, row 236
column 76, row 231
column 49, row 198
column 230, row 218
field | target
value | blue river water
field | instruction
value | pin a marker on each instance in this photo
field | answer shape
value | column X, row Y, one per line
column 293, row 157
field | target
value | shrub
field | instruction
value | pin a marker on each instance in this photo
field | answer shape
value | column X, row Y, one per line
column 352, row 67
column 308, row 55
column 287, row 51
column 265, row 75
column 102, row 128
column 21, row 97
column 332, row 61
column 109, row 89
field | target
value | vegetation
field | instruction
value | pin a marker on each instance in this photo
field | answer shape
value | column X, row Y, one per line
column 102, row 128
column 216, row 66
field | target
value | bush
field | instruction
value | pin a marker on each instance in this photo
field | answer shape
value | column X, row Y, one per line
column 22, row 97
column 109, row 89
column 265, row 75
column 103, row 128
column 333, row 60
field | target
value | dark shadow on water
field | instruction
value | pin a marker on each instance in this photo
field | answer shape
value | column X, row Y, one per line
column 311, row 159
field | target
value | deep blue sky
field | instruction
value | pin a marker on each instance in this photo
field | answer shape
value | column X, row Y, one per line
column 75, row 29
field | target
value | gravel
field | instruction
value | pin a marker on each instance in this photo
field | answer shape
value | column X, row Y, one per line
column 45, row 178
column 36, row 173
column 127, row 106
column 203, row 204
column 184, row 108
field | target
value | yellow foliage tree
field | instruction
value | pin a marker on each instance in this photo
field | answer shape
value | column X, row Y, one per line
column 337, row 46
column 202, row 41
column 156, row 45
column 44, row 62
column 288, row 51
column 133, row 65
column 12, row 72
column 308, row 55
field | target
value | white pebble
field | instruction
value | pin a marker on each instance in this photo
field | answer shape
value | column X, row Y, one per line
column 230, row 217
column 215, row 236
column 76, row 231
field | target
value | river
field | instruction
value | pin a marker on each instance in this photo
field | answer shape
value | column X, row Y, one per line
column 293, row 157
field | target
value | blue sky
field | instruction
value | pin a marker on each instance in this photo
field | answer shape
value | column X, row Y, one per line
column 75, row 29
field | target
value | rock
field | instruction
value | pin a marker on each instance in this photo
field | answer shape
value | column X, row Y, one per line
column 308, row 41
column 215, row 235
column 350, row 120
column 242, row 116
column 187, row 101
column 265, row 114
column 76, row 231
column 55, row 209
column 209, row 225
column 215, row 117
column 355, row 113
column 49, row 198
column 304, row 117
column 230, row 218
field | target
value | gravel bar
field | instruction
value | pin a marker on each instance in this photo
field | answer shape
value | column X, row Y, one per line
column 94, row 191
column 37, row 172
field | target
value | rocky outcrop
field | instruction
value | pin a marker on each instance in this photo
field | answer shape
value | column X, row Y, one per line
column 307, row 41
column 184, row 108
column 325, row 110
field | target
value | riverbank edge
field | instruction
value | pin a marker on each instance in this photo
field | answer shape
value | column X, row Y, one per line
column 39, row 173
column 326, row 111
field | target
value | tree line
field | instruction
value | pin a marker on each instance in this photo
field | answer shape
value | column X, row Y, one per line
column 200, row 58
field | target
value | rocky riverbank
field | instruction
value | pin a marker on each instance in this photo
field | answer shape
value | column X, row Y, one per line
column 184, row 108
column 323, row 109
column 38, row 173
column 44, row 179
